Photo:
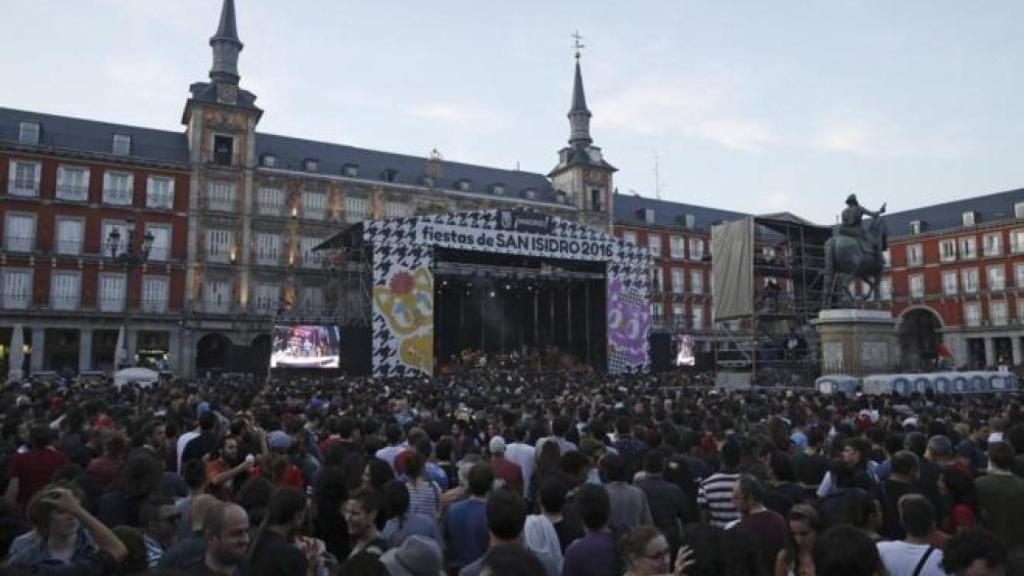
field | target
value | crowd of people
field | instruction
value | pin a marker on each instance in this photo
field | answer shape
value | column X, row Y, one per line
column 500, row 472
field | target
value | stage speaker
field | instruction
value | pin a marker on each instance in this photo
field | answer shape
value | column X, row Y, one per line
column 354, row 350
column 661, row 352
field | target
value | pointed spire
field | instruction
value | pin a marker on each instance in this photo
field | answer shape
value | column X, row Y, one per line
column 579, row 99
column 579, row 116
column 226, row 46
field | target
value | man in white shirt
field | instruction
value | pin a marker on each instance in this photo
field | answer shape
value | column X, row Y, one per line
column 522, row 454
column 914, row 555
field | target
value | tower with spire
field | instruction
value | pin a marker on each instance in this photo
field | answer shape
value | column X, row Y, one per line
column 582, row 173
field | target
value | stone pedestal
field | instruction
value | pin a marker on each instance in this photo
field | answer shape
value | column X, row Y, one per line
column 857, row 342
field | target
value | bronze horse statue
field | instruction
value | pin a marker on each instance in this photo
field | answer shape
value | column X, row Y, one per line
column 850, row 257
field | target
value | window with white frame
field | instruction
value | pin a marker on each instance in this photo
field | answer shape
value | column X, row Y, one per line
column 122, row 231
column 1018, row 274
column 154, row 293
column 73, row 183
column 697, row 313
column 696, row 248
column 972, row 314
column 312, row 300
column 968, row 247
column 121, row 145
column 658, row 280
column 70, row 235
column 629, row 236
column 397, row 209
column 1017, row 241
column 1020, row 310
column 19, row 232
column 678, row 280
column 689, row 220
column 266, row 297
column 65, row 290
column 111, row 292
column 160, row 249
column 220, row 196
column 886, row 258
column 17, row 288
column 160, row 192
column 679, row 313
column 996, row 276
column 657, row 309
column 949, row 283
column 654, row 245
column 915, row 227
column 997, row 312
column 969, row 280
column 28, row 133
column 314, row 205
column 117, row 188
column 269, row 201
column 357, row 209
column 993, row 244
column 218, row 244
column 217, row 296
column 697, row 281
column 677, row 247
column 915, row 256
column 947, row 250
column 268, row 248
column 968, row 218
column 917, row 286
column 1018, row 210
column 310, row 258
column 885, row 289
column 24, row 178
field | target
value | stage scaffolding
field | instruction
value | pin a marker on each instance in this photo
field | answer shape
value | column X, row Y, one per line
column 349, row 279
column 770, row 338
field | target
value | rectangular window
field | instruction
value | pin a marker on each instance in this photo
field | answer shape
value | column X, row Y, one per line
column 697, row 281
column 220, row 196
column 218, row 245
column 1017, row 241
column 28, row 133
column 657, row 308
column 886, row 259
column 696, row 248
column 659, row 280
column 160, row 249
column 117, row 188
column 917, row 286
column 677, row 247
column 1018, row 210
column 993, row 244
column 269, row 201
column 949, row 283
column 972, row 314
column 996, row 276
column 73, row 183
column 223, row 150
column 679, row 313
column 121, row 145
column 885, row 289
column 217, row 296
column 654, row 245
column 697, row 313
column 1020, row 310
column 968, row 218
column 969, row 280
column 1018, row 274
column 17, row 288
column 629, row 236
column 397, row 209
column 24, row 178
column 70, row 235
column 678, row 280
column 947, row 250
column 266, row 297
column 357, row 209
column 914, row 255
column 269, row 161
column 310, row 259
column 65, row 290
column 312, row 300
column 160, row 192
column 310, row 165
column 268, row 249
column 154, row 294
column 20, row 232
column 112, row 292
column 997, row 312
column 968, row 247
column 314, row 205
column 122, row 231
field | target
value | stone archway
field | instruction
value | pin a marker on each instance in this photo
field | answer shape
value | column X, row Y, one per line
column 919, row 337
column 212, row 352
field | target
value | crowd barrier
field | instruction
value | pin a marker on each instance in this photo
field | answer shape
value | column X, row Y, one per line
column 906, row 384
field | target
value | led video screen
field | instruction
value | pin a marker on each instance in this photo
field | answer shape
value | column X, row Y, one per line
column 685, row 355
column 305, row 347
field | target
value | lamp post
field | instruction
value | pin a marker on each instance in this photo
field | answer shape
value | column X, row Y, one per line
column 131, row 259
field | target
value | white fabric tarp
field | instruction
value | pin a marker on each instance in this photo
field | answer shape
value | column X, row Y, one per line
column 16, row 354
column 732, row 269
column 119, row 355
column 144, row 377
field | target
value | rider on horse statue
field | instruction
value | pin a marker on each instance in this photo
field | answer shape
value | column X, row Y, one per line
column 855, row 251
column 853, row 215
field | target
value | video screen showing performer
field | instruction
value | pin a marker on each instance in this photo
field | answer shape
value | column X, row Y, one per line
column 305, row 347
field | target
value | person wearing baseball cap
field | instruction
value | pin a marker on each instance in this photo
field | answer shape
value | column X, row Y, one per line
column 505, row 470
column 417, row 556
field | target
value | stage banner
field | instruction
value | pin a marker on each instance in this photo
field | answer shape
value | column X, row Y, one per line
column 512, row 242
column 732, row 269
column 403, row 311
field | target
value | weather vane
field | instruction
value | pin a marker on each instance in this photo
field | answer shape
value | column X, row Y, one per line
column 577, row 43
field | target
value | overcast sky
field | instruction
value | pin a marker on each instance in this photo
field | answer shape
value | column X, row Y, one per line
column 752, row 106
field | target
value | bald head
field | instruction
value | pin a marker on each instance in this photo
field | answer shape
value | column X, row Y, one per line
column 226, row 527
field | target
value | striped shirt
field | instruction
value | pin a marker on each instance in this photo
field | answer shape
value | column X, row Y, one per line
column 424, row 498
column 715, row 494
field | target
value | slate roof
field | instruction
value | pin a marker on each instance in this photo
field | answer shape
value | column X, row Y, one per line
column 94, row 137
column 949, row 215
column 629, row 210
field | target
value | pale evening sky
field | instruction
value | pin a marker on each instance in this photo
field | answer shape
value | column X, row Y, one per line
column 752, row 106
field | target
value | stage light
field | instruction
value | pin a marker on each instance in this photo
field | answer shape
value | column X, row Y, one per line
column 491, row 294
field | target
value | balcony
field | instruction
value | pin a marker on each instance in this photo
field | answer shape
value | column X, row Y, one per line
column 19, row 243
column 73, row 192
column 16, row 300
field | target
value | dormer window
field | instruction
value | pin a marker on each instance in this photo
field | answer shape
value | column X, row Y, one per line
column 560, row 197
column 427, row 181
column 269, row 161
column 530, row 193
column 647, row 214
column 223, row 150
column 1018, row 210
column 463, row 185
column 689, row 220
column 350, row 170
column 915, row 227
column 28, row 133
column 311, row 165
column 968, row 218
column 497, row 189
column 121, row 145
column 389, row 175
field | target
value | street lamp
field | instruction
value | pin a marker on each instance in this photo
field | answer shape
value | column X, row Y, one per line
column 131, row 259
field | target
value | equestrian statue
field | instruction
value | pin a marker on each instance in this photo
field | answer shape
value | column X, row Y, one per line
column 855, row 252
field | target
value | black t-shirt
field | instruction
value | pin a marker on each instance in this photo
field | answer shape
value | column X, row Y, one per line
column 810, row 470
column 276, row 556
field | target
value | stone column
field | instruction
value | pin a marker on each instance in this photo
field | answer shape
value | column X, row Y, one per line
column 85, row 349
column 174, row 358
column 990, row 352
column 38, row 348
column 1015, row 343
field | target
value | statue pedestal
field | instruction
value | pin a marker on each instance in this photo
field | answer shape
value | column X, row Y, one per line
column 857, row 342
